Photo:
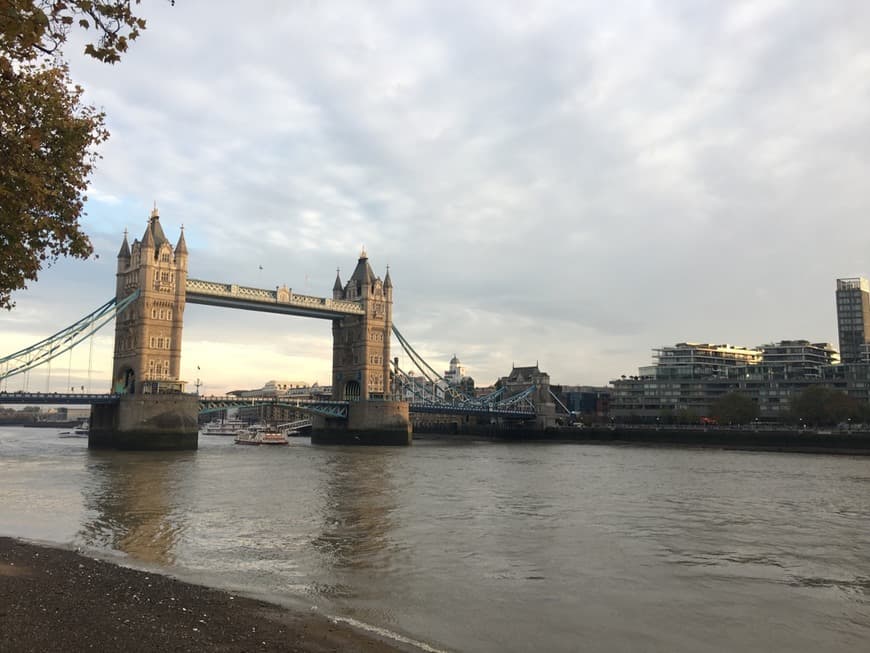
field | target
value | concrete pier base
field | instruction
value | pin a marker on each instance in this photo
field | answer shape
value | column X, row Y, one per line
column 160, row 422
column 367, row 423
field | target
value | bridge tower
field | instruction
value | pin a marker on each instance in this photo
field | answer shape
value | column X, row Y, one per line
column 148, row 334
column 152, row 412
column 361, row 366
column 361, row 344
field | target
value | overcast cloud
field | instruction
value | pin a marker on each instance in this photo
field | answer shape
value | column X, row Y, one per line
column 572, row 183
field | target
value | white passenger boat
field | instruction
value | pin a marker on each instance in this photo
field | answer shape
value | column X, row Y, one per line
column 80, row 431
column 224, row 427
column 261, row 435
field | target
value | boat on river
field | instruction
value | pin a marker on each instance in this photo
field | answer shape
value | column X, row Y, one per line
column 224, row 427
column 261, row 435
column 81, row 431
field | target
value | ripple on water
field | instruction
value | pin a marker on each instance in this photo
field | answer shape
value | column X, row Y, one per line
column 490, row 547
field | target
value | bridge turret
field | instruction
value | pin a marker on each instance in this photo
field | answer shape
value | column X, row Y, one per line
column 123, row 267
column 337, row 292
column 361, row 344
column 124, row 252
column 181, row 248
column 148, row 236
column 388, row 291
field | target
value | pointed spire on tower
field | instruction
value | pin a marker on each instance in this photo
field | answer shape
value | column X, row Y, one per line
column 148, row 236
column 181, row 247
column 154, row 222
column 125, row 248
column 363, row 272
column 337, row 284
column 388, row 283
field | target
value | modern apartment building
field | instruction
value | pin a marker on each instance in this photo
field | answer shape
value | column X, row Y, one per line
column 696, row 360
column 689, row 377
column 793, row 358
column 853, row 319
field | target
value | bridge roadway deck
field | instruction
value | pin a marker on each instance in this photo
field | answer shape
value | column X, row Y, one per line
column 280, row 300
column 331, row 407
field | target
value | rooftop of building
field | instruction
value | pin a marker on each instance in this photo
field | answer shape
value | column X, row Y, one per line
column 853, row 283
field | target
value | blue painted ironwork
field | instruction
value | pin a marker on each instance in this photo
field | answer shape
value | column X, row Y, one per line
column 328, row 408
column 447, row 409
column 335, row 409
column 296, row 425
column 50, row 348
column 456, row 395
column 60, row 398
column 452, row 400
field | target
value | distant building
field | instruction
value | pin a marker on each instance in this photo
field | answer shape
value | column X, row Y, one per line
column 67, row 413
column 797, row 358
column 853, row 319
column 286, row 389
column 688, row 378
column 520, row 380
column 456, row 374
column 584, row 401
column 699, row 360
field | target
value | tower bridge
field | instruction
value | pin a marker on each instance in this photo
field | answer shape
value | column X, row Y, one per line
column 147, row 406
column 147, row 357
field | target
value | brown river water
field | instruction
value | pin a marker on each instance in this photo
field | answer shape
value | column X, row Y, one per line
column 482, row 546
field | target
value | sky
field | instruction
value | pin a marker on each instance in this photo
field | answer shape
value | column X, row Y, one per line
column 564, row 183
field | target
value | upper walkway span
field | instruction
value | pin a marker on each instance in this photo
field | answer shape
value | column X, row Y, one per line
column 281, row 300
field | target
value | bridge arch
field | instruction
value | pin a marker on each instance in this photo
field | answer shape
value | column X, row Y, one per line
column 351, row 390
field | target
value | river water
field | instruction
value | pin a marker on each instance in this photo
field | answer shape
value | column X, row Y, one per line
column 482, row 546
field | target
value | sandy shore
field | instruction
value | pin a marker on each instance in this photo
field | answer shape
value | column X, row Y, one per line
column 57, row 600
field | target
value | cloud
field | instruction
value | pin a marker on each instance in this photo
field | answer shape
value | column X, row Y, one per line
column 573, row 183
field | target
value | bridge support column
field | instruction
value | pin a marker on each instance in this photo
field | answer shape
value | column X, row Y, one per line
column 146, row 422
column 371, row 422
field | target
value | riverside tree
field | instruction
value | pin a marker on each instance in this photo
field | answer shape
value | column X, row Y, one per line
column 818, row 405
column 734, row 408
column 48, row 135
